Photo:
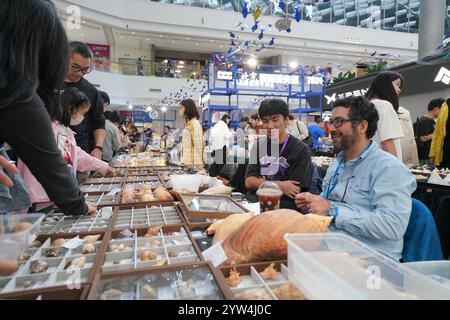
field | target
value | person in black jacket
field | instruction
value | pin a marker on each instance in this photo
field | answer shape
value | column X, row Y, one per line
column 90, row 134
column 33, row 62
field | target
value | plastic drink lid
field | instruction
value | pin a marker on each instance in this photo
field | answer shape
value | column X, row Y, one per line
column 269, row 189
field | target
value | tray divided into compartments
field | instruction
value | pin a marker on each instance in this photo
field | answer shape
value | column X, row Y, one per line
column 102, row 187
column 261, row 281
column 170, row 245
column 77, row 292
column 144, row 216
column 142, row 178
column 141, row 171
column 60, row 224
column 177, row 282
column 201, row 206
column 102, row 199
column 51, row 266
column 141, row 190
column 104, row 180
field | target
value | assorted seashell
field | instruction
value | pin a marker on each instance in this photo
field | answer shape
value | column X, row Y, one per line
column 59, row 242
column 91, row 239
column 147, row 255
column 39, row 266
column 22, row 226
column 110, row 294
column 75, row 264
column 88, row 249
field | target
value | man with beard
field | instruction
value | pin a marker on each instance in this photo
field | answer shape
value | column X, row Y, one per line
column 366, row 190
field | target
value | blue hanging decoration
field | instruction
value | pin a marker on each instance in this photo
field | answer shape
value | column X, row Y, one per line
column 288, row 30
column 232, row 35
column 261, row 35
column 255, row 26
column 282, row 6
column 261, row 48
column 245, row 9
column 272, row 42
column 298, row 15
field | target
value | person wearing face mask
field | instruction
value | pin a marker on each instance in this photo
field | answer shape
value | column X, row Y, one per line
column 75, row 105
column 219, row 140
column 383, row 93
column 366, row 190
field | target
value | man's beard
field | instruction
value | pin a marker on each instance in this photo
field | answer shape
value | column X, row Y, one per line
column 346, row 142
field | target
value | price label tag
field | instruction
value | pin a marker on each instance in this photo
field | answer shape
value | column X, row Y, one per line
column 73, row 243
column 215, row 254
column 113, row 192
column 106, row 212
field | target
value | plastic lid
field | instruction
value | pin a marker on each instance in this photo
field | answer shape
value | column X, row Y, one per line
column 269, row 189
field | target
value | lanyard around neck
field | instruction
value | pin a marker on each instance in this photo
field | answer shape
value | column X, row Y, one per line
column 335, row 178
column 284, row 145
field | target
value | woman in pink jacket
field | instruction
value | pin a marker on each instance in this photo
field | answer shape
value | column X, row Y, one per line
column 75, row 104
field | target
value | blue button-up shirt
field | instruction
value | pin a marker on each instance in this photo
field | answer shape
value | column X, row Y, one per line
column 373, row 197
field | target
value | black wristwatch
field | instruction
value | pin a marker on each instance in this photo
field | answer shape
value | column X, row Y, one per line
column 99, row 148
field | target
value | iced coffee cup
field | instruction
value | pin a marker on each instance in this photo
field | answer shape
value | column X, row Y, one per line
column 269, row 195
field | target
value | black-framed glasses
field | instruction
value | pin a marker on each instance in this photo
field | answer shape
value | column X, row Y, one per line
column 76, row 68
column 338, row 122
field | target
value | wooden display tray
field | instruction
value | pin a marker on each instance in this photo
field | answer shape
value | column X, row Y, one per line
column 140, row 233
column 118, row 209
column 191, row 214
column 218, row 277
column 53, row 293
column 251, row 279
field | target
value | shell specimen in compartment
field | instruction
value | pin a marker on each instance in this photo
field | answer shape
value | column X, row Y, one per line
column 53, row 253
column 118, row 248
column 111, row 294
column 147, row 291
column 147, row 255
column 153, row 231
column 39, row 266
column 88, row 249
column 35, row 244
column 25, row 284
column 76, row 263
column 22, row 226
column 23, row 256
column 92, row 238
column 270, row 272
column 154, row 244
column 58, row 242
column 253, row 294
column 234, row 280
column 186, row 288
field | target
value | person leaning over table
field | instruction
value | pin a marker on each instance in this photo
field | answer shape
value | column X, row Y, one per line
column 366, row 190
column 34, row 60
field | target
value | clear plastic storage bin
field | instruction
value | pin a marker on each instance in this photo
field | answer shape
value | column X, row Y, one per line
column 13, row 243
column 436, row 270
column 335, row 266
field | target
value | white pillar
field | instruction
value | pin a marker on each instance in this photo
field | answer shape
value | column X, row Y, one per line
column 431, row 26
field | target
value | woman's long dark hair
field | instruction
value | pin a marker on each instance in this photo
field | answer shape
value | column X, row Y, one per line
column 34, row 53
column 382, row 88
column 190, row 109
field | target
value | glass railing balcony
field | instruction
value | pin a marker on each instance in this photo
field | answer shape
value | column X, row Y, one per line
column 148, row 68
column 394, row 15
